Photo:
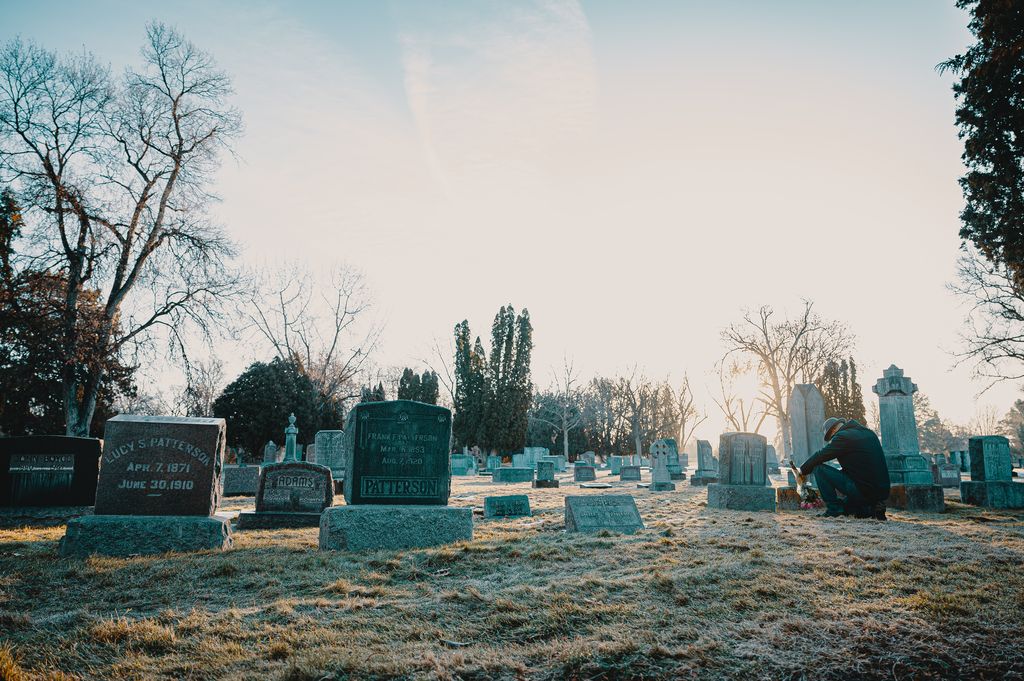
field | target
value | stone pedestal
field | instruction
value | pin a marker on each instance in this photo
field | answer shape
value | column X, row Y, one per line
column 130, row 535
column 545, row 484
column 997, row 494
column 662, row 486
column 385, row 527
column 701, row 478
column 928, row 498
column 741, row 497
column 271, row 520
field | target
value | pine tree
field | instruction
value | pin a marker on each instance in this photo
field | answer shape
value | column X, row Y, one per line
column 857, row 410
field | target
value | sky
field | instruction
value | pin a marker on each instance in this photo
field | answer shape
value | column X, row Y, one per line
column 635, row 174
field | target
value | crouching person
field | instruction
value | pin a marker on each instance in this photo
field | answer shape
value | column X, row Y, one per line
column 862, row 486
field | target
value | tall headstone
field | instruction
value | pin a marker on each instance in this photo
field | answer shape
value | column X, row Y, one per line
column 291, row 432
column 330, row 452
column 615, row 464
column 159, row 486
column 806, row 409
column 913, row 487
column 270, row 453
column 743, row 483
column 991, row 482
column 493, row 462
column 707, row 469
column 49, row 470
column 661, row 479
column 397, row 481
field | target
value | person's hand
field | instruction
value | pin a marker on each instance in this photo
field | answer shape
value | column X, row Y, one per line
column 805, row 470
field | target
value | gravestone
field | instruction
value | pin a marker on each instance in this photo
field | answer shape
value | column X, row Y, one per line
column 589, row 457
column 292, row 451
column 330, row 452
column 666, row 449
column 584, row 473
column 291, row 494
column 545, row 475
column 991, row 482
column 509, row 474
column 597, row 512
column 949, row 476
column 159, row 486
column 707, row 470
column 743, row 483
column 240, row 480
column 773, row 461
column 49, row 470
column 463, row 464
column 661, row 479
column 806, row 409
column 681, row 458
column 557, row 459
column 509, row 506
column 270, row 453
column 627, row 473
column 310, row 453
column 913, row 486
column 534, row 453
column 493, row 462
column 615, row 464
column 397, row 481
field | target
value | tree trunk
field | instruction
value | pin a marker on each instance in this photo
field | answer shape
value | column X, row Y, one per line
column 565, row 443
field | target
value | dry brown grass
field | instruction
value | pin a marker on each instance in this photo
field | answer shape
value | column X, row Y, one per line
column 698, row 594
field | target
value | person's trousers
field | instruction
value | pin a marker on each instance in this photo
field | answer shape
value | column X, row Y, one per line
column 832, row 484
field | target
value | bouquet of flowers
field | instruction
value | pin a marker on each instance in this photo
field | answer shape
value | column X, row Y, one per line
column 809, row 497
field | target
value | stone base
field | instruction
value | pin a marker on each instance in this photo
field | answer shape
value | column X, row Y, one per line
column 144, row 535
column 1002, row 494
column 787, row 499
column 741, row 497
column 377, row 527
column 928, row 498
column 663, row 487
column 698, row 479
column 545, row 484
column 273, row 520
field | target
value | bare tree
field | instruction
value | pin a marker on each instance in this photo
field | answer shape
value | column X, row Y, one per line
column 995, row 340
column 786, row 352
column 565, row 411
column 987, row 421
column 441, row 364
column 115, row 177
column 637, row 398
column 744, row 415
column 204, row 381
column 320, row 325
column 688, row 415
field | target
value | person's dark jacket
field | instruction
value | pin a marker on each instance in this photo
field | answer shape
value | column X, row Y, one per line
column 860, row 454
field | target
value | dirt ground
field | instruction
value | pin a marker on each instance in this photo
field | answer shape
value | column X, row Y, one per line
column 700, row 593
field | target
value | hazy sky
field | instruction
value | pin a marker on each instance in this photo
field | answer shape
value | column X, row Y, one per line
column 633, row 173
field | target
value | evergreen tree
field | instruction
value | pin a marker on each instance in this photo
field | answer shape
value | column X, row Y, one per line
column 857, row 410
column 843, row 395
column 373, row 393
column 425, row 388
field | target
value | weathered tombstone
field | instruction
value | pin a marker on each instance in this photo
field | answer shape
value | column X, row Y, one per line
column 584, row 473
column 509, row 506
column 545, row 475
column 509, row 474
column 627, row 473
column 594, row 513
column 521, row 460
column 991, row 482
column 589, row 457
column 773, row 461
column 49, row 470
column 681, row 458
column 949, row 476
column 661, row 479
column 493, row 462
column 743, row 483
column 290, row 494
column 533, row 454
column 159, row 486
column 397, row 481
column 707, row 470
column 310, row 454
column 240, row 480
column 270, row 453
column 463, row 464
column 557, row 459
column 913, row 487
column 806, row 409
column 292, row 451
column 615, row 464
column 330, row 452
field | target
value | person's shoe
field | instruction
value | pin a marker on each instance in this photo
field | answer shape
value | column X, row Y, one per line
column 879, row 511
column 832, row 513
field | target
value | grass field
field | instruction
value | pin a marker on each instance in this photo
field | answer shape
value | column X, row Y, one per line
column 699, row 594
